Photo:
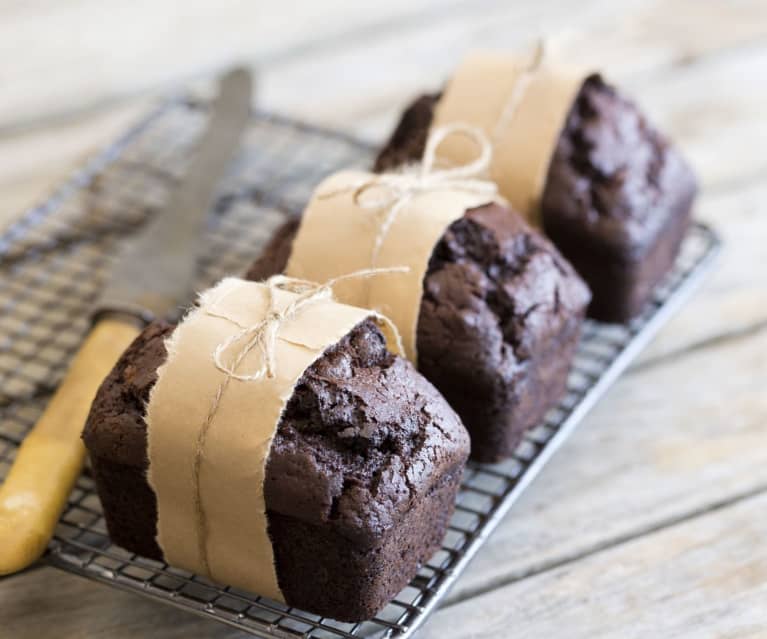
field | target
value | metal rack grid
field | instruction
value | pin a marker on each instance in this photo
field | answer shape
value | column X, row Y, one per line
column 52, row 263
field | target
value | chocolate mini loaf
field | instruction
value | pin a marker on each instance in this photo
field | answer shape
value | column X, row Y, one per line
column 498, row 325
column 360, row 479
column 616, row 200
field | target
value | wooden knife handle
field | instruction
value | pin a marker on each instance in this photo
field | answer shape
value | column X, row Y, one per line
column 50, row 459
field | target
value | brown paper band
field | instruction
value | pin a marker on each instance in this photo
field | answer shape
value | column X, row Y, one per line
column 522, row 106
column 213, row 413
column 356, row 220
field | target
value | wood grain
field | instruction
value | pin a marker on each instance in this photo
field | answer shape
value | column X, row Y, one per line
column 47, row 603
column 62, row 56
column 704, row 578
column 625, row 39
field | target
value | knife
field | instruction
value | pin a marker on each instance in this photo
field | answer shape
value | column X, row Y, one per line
column 152, row 276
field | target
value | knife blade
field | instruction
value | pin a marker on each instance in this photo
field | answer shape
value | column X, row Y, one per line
column 155, row 271
column 151, row 276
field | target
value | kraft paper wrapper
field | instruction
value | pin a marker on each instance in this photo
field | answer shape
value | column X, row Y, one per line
column 478, row 93
column 241, row 431
column 337, row 236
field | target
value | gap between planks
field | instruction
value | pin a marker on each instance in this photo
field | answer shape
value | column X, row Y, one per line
column 130, row 54
column 634, row 41
column 420, row 28
column 700, row 578
column 726, row 337
column 606, row 545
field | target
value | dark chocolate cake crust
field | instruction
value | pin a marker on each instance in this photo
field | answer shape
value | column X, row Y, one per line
column 617, row 201
column 617, row 197
column 360, row 481
column 498, row 326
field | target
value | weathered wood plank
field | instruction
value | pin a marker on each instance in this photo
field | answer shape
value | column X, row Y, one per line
column 706, row 577
column 138, row 47
column 54, row 148
column 665, row 443
column 645, row 37
column 96, row 52
column 46, row 603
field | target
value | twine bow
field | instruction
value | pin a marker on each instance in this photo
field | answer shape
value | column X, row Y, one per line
column 263, row 335
column 398, row 189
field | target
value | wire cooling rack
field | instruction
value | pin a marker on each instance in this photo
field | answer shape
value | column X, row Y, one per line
column 52, row 263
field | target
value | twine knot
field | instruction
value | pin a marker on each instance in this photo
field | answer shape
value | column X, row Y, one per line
column 396, row 190
column 263, row 335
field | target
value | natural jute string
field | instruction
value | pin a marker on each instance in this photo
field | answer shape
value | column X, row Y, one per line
column 398, row 189
column 520, row 88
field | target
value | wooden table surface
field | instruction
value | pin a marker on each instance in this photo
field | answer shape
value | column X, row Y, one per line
column 652, row 520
